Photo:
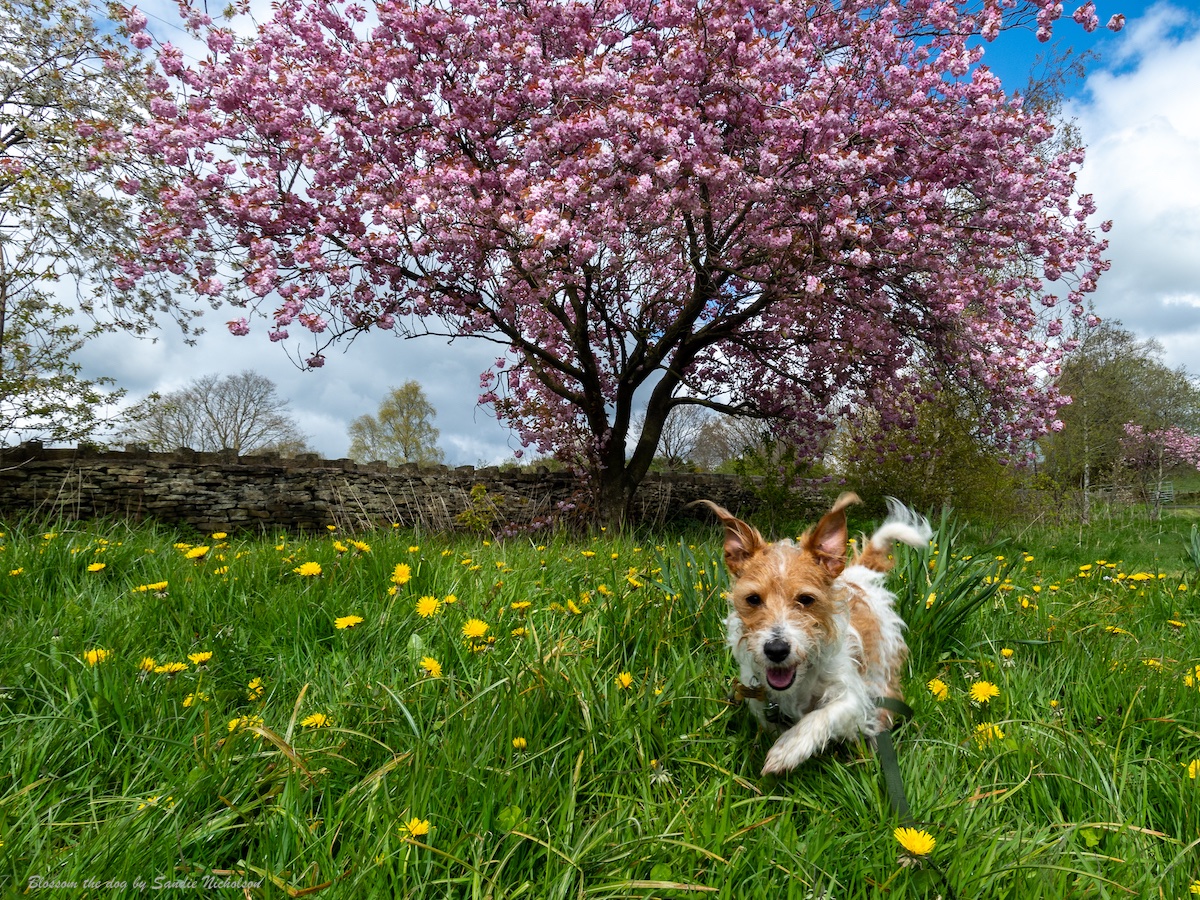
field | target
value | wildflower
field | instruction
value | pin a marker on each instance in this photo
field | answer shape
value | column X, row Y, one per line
column 624, row 680
column 428, row 606
column 1113, row 629
column 245, row 722
column 573, row 608
column 316, row 720
column 915, row 842
column 414, row 549
column 604, row 590
column 199, row 659
column 519, row 744
column 98, row 655
column 96, row 567
column 223, row 570
column 170, row 669
column 431, row 667
column 147, row 664
column 15, row 572
column 521, row 604
column 196, row 553
column 983, row 691
column 449, row 599
column 1006, row 652
column 219, row 535
column 254, row 689
column 1195, row 888
column 1056, row 709
column 153, row 801
column 197, row 697
column 658, row 774
column 340, row 547
column 308, row 569
column 343, row 622
column 930, row 600
column 1192, row 679
column 1175, row 623
column 518, row 632
column 361, row 546
column 474, row 629
column 1193, row 769
column 331, row 528
column 986, row 732
column 1183, row 587
column 401, row 573
column 587, row 554
column 416, row 828
column 157, row 587
column 938, row 688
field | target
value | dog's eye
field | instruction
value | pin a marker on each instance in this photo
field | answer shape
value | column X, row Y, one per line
column 753, row 600
column 806, row 599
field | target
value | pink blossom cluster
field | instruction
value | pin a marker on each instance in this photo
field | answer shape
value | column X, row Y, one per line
column 780, row 208
column 1160, row 449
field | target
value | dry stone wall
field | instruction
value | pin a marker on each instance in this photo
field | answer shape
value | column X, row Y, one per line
column 224, row 492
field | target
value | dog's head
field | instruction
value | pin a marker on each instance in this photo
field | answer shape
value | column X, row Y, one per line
column 783, row 592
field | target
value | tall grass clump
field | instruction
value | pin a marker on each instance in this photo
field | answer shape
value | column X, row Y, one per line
column 417, row 715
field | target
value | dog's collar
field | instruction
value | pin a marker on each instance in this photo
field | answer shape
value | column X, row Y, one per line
column 739, row 693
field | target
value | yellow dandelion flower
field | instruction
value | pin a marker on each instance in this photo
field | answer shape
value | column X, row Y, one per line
column 331, row 528
column 245, row 722
column 1183, row 587
column 170, row 669
column 587, row 554
column 624, row 680
column 197, row 697
column 361, row 546
column 343, row 622
column 95, row 656
column 986, row 732
column 915, row 842
column 96, row 567
column 413, row 548
column 1193, row 769
column 431, row 667
column 521, row 604
column 930, row 600
column 254, row 690
column 196, row 553
column 340, row 547
column 518, row 632
column 573, row 608
column 474, row 628
column 219, row 536
column 1113, row 629
column 401, row 573
column 15, row 572
column 938, row 688
column 428, row 606
column 1006, row 652
column 308, row 569
column 316, row 720
column 416, row 828
column 199, row 659
column 1175, row 623
column 449, row 599
column 983, row 691
column 147, row 664
column 1195, row 888
column 519, row 743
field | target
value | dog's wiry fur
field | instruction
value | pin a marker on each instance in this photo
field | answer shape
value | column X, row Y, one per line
column 818, row 632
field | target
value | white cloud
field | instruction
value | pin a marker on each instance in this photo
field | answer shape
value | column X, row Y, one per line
column 1140, row 119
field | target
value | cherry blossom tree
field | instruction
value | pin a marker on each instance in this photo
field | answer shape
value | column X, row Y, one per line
column 772, row 210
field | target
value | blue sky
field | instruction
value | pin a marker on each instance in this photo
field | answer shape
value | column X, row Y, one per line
column 1138, row 111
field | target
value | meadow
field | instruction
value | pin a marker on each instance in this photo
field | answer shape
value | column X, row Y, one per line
column 421, row 715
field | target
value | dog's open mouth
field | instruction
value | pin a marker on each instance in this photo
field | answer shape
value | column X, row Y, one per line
column 780, row 679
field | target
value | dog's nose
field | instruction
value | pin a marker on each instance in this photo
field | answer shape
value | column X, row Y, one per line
column 776, row 649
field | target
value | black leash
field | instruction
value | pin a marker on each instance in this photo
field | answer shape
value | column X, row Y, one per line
column 901, row 713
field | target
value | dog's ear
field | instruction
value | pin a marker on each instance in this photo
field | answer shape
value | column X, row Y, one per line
column 827, row 539
column 742, row 541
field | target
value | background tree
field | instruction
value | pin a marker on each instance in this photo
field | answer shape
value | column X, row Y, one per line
column 403, row 431
column 775, row 210
column 233, row 412
column 1114, row 378
column 71, row 191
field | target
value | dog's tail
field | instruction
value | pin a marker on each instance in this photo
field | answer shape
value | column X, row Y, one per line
column 901, row 524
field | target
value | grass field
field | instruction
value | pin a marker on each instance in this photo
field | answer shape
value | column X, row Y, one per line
column 391, row 714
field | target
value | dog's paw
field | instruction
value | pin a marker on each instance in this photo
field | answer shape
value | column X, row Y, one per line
column 787, row 755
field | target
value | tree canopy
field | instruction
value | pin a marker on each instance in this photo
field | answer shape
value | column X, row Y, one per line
column 403, row 432
column 241, row 412
column 773, row 210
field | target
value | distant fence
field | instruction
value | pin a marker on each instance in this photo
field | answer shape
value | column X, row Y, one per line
column 225, row 492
